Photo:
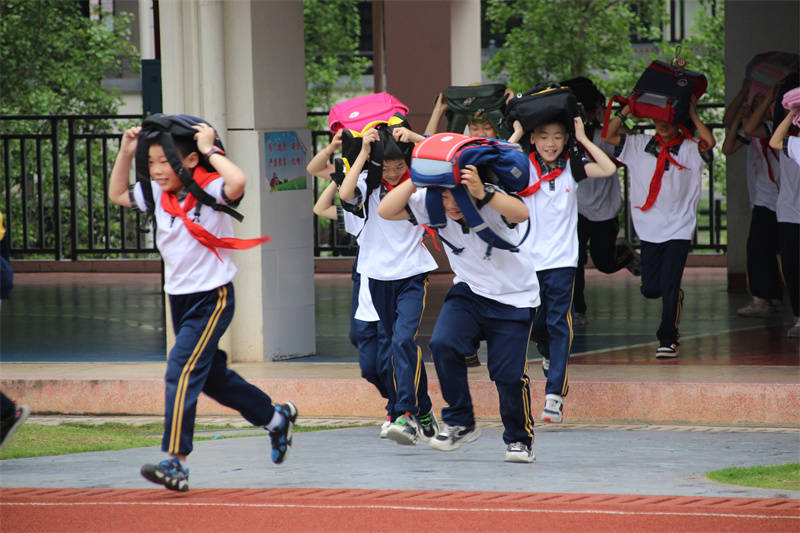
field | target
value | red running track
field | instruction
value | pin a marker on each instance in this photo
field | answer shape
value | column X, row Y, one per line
column 330, row 510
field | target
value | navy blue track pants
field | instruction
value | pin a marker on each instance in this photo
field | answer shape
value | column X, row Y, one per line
column 400, row 304
column 197, row 365
column 465, row 320
column 552, row 325
column 662, row 270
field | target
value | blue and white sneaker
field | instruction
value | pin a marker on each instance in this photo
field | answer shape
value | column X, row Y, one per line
column 281, row 436
column 169, row 473
column 553, row 409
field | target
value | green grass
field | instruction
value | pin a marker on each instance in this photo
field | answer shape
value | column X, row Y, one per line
column 35, row 440
column 786, row 476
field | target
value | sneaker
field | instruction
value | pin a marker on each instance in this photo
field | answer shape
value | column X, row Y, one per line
column 579, row 319
column 472, row 360
column 10, row 424
column 403, row 430
column 451, row 437
column 428, row 426
column 281, row 436
column 385, row 428
column 545, row 366
column 169, row 473
column 758, row 308
column 667, row 351
column 517, row 452
column 553, row 409
column 794, row 331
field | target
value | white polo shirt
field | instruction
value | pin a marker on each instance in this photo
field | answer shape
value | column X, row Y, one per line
column 366, row 310
column 600, row 199
column 674, row 213
column 189, row 266
column 506, row 277
column 389, row 249
column 788, row 207
column 763, row 191
column 553, row 242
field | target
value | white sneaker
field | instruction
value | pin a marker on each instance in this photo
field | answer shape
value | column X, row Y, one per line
column 451, row 437
column 517, row 452
column 553, row 409
column 758, row 308
column 404, row 430
column 385, row 428
column 794, row 331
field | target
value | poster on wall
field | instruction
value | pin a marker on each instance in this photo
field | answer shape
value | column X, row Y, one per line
column 285, row 160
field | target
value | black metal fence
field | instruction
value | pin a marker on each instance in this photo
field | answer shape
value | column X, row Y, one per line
column 54, row 192
column 55, row 188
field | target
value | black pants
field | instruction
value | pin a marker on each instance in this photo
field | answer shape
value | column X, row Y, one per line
column 662, row 270
column 600, row 239
column 789, row 245
column 763, row 276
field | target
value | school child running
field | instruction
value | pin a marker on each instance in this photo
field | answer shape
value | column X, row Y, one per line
column 392, row 257
column 786, row 140
column 553, row 244
column 599, row 204
column 747, row 125
column 492, row 299
column 665, row 172
column 198, row 273
column 366, row 332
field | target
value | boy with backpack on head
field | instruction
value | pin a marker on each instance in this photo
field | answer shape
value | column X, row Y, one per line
column 555, row 173
column 392, row 257
column 666, row 172
column 198, row 278
column 492, row 299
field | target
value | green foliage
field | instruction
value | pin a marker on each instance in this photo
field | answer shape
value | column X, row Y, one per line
column 782, row 477
column 549, row 40
column 331, row 38
column 53, row 58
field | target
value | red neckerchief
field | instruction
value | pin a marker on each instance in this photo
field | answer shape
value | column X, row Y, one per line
column 550, row 176
column 661, row 164
column 764, row 147
column 172, row 206
column 405, row 176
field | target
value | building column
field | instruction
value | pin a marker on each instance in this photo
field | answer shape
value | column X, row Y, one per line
column 247, row 77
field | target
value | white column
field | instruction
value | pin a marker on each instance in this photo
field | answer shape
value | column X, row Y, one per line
column 247, row 72
column 147, row 41
column 465, row 42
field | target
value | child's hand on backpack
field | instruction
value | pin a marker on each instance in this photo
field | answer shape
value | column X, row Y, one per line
column 370, row 137
column 472, row 181
column 205, row 137
column 336, row 142
column 405, row 135
column 130, row 140
column 580, row 132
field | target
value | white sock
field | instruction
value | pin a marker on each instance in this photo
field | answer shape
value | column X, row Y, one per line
column 277, row 420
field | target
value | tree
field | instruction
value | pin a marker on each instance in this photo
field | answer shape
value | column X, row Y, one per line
column 549, row 40
column 332, row 31
column 53, row 58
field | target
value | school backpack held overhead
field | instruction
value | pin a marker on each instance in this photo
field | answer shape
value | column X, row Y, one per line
column 437, row 161
column 542, row 105
column 356, row 113
column 664, row 92
column 464, row 102
column 164, row 129
column 767, row 69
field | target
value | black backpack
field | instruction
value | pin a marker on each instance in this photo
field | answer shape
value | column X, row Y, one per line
column 466, row 101
column 164, row 129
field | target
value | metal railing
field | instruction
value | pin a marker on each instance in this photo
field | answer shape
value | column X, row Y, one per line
column 55, row 188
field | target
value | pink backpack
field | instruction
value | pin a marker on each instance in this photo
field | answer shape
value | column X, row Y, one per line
column 357, row 112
